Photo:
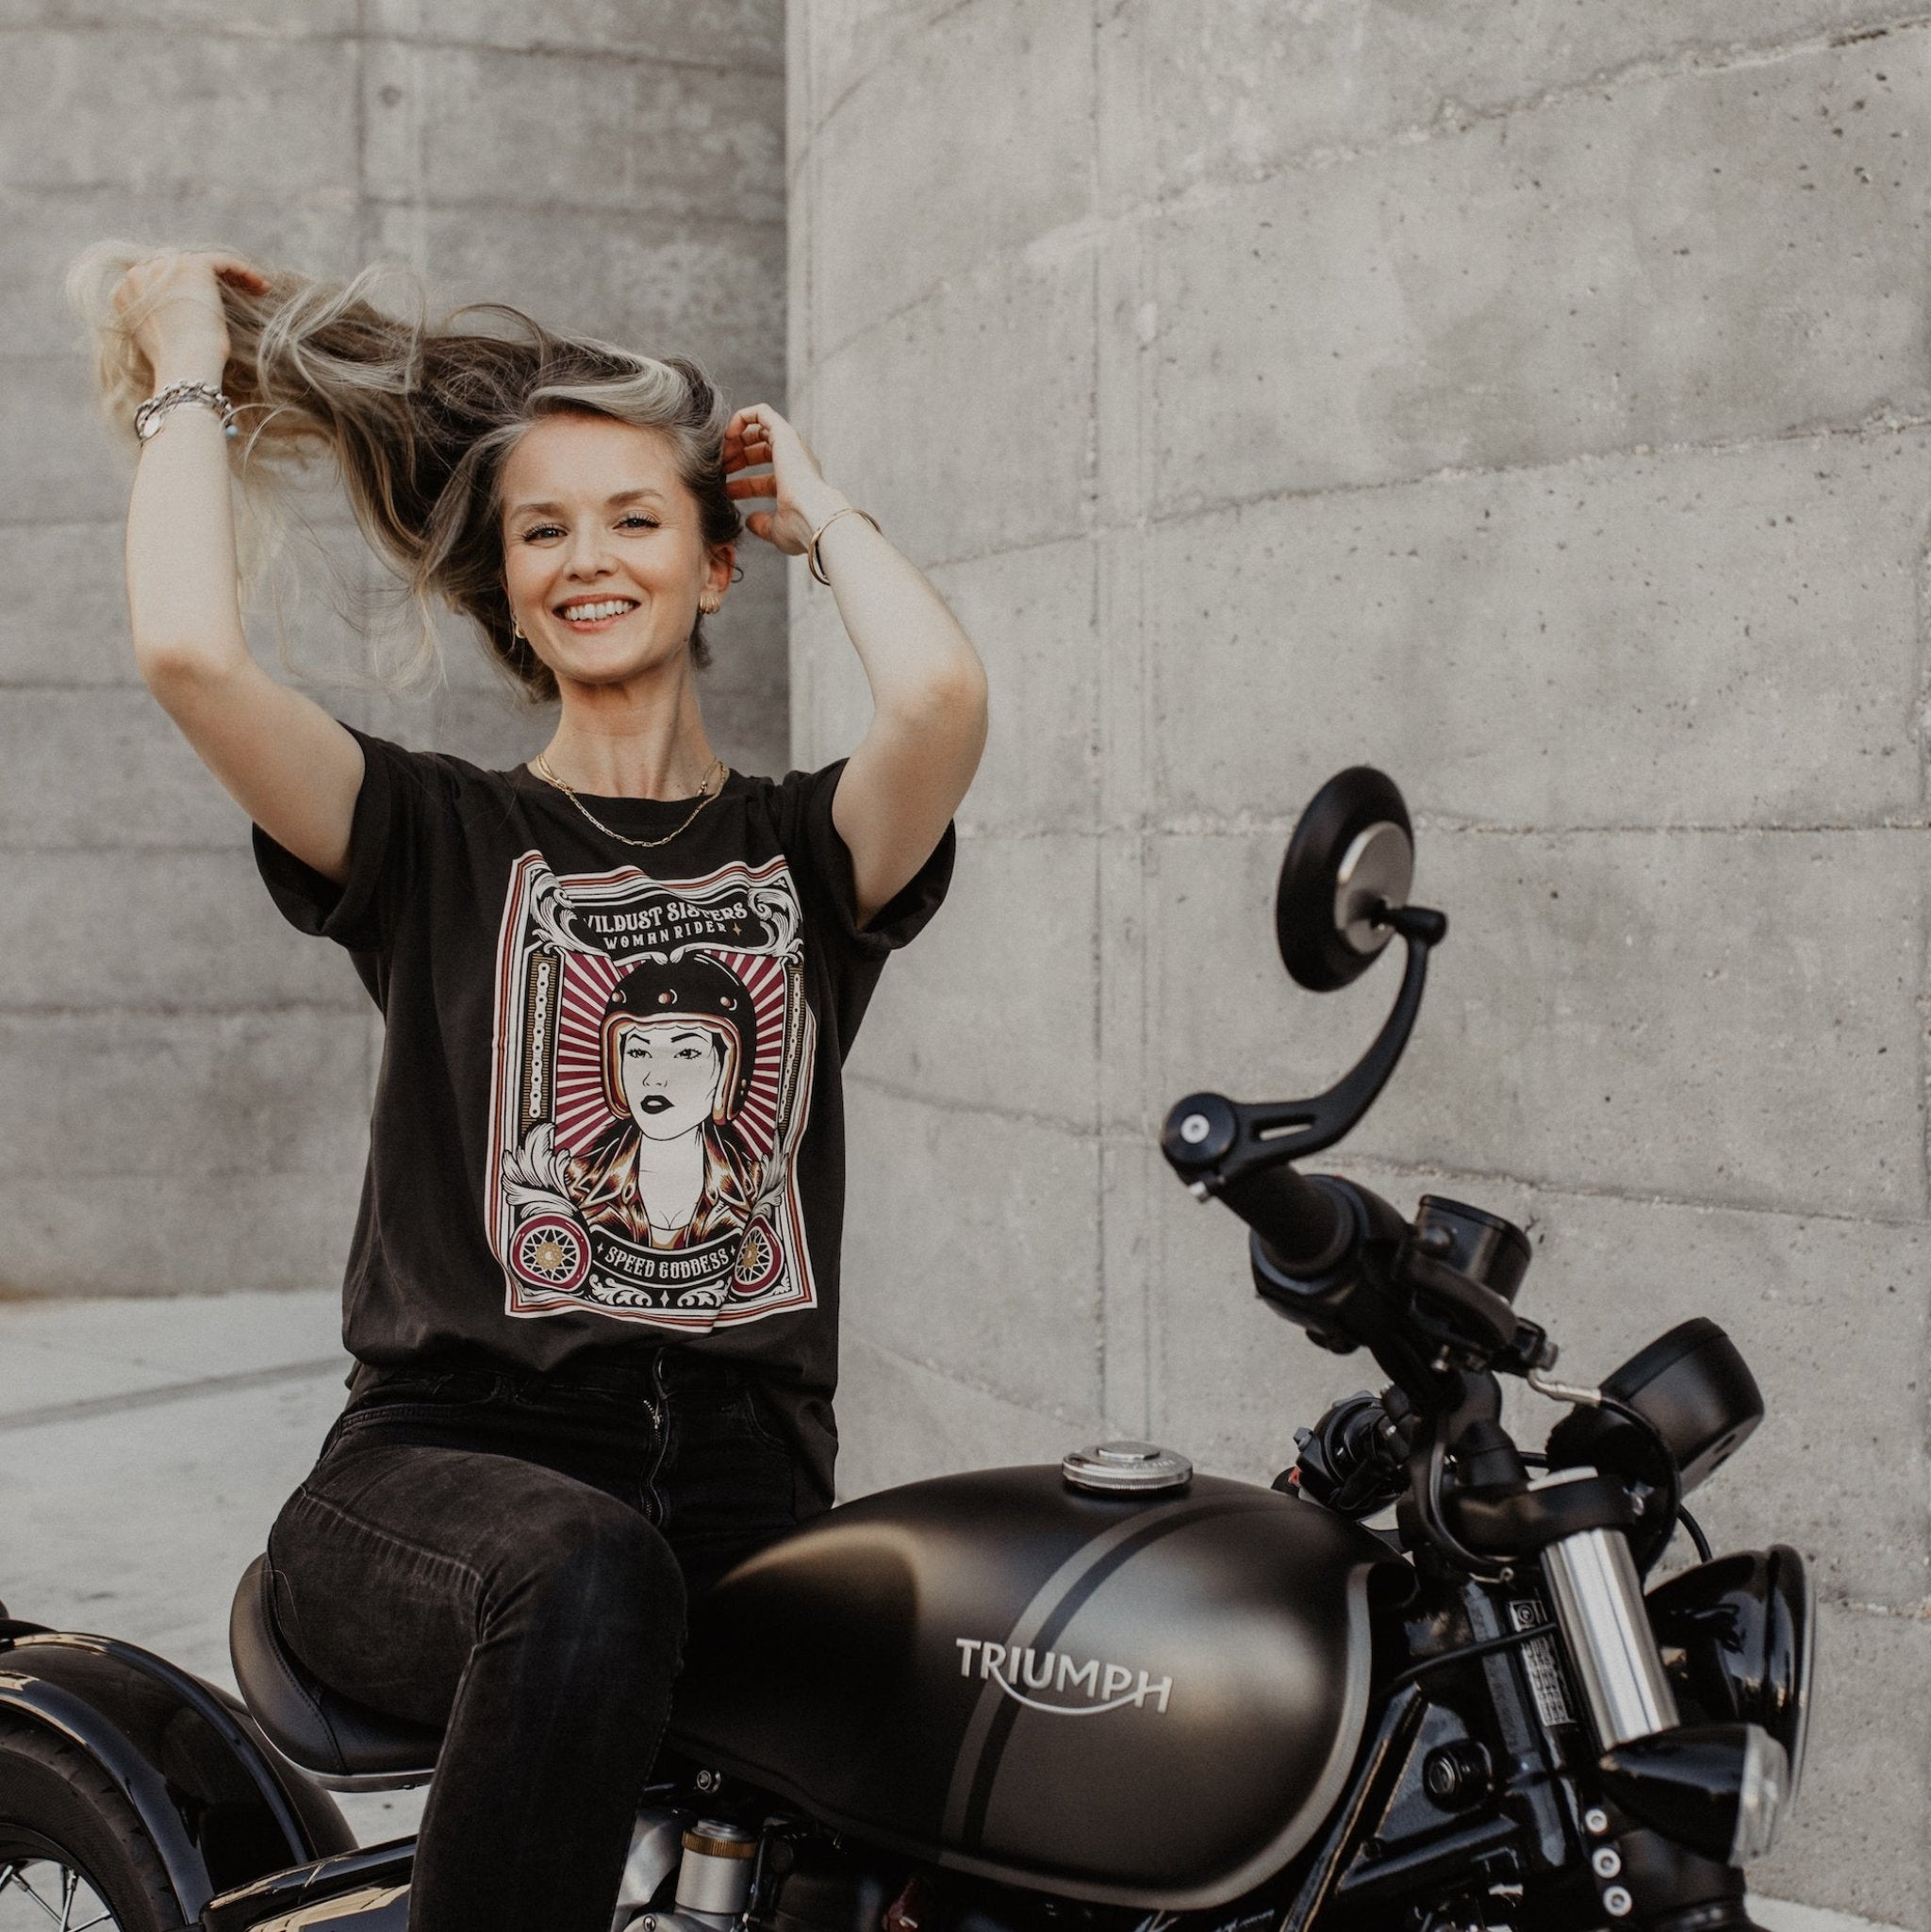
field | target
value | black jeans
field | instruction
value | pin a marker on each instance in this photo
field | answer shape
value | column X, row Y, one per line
column 510, row 1555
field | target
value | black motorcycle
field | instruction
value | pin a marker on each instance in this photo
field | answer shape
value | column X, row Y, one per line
column 1112, row 1695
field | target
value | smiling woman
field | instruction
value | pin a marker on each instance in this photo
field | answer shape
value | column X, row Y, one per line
column 593, row 1292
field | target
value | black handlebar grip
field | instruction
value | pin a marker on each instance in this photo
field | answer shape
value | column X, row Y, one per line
column 1308, row 1226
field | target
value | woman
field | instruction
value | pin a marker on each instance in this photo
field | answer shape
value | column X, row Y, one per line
column 559, row 1423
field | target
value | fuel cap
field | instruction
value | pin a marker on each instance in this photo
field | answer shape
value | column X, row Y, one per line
column 1138, row 1468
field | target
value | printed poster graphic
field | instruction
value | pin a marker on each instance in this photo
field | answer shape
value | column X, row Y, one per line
column 653, row 1075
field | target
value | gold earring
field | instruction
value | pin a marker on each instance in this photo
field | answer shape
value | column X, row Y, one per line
column 708, row 603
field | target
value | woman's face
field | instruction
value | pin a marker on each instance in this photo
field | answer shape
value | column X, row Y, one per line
column 671, row 1072
column 603, row 555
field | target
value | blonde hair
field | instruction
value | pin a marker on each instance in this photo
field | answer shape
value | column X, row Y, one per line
column 417, row 417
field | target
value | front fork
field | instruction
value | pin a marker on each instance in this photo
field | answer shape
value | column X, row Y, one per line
column 1599, row 1608
column 1598, row 1598
column 1605, row 1625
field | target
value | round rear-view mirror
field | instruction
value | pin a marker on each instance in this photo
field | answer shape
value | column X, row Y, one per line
column 1348, row 864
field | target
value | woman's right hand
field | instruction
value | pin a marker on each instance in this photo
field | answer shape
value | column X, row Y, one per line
column 293, row 768
column 180, row 324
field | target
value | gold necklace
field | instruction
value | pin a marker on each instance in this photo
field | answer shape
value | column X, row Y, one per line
column 718, row 770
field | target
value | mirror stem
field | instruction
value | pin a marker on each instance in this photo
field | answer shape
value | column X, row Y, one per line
column 1211, row 1140
column 1419, row 925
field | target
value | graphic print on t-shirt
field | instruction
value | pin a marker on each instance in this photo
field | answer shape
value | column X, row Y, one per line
column 651, row 1078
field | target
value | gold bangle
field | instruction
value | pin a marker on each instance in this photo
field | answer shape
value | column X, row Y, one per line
column 811, row 549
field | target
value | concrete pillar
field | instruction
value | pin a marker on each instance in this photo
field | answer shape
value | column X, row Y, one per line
column 1531, row 399
column 184, row 1084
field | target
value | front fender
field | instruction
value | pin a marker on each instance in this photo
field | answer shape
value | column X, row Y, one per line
column 187, row 1756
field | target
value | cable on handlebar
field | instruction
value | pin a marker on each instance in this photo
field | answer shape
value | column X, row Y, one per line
column 1672, row 1487
column 1435, row 1518
column 1696, row 1535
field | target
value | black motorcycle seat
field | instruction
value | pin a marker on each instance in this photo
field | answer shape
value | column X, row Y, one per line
column 324, row 1733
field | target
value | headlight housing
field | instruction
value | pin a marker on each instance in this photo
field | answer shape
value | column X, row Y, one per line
column 1738, row 1638
column 1720, row 1789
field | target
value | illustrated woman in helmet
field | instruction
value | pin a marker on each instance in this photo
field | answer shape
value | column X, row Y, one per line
column 679, row 1049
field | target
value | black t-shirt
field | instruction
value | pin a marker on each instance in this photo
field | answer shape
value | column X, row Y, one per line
column 610, row 1109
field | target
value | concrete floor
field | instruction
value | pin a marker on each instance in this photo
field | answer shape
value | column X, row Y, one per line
column 145, row 1447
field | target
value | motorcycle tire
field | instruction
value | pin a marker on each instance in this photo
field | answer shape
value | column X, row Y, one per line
column 59, row 1814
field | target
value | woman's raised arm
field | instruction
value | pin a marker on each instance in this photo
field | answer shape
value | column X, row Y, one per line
column 928, row 687
column 288, row 765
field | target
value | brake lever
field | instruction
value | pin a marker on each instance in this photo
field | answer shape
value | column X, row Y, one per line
column 1505, row 1342
column 1474, row 1313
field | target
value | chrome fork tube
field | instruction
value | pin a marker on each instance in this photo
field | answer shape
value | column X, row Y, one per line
column 1599, row 1608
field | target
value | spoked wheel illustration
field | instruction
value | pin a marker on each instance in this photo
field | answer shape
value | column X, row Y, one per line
column 551, row 1253
column 760, row 1261
column 73, row 1857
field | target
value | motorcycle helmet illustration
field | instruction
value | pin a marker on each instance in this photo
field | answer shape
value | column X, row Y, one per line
column 698, row 990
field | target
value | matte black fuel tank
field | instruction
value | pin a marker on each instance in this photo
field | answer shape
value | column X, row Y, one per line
column 1150, row 1702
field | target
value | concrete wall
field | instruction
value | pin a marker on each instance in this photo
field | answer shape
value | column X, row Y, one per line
column 1531, row 399
column 184, row 1084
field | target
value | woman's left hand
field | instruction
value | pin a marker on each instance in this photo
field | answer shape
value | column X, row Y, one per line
column 757, row 436
column 905, row 778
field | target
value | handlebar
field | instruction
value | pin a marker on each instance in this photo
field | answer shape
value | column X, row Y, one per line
column 1307, row 1228
column 1429, row 1300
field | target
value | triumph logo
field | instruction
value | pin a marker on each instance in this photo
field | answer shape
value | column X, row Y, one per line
column 1016, row 1669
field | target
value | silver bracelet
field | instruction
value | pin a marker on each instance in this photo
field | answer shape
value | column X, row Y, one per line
column 811, row 549
column 149, row 417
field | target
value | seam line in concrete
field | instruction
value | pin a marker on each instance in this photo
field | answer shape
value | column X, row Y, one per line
column 259, row 37
column 978, row 1388
column 1097, row 960
column 1449, row 121
column 1405, row 1170
column 1877, row 423
column 360, row 135
column 1881, row 422
column 1737, row 828
column 172, row 1392
column 1451, row 118
column 1016, row 1116
column 1114, row 1136
column 39, row 686
column 913, row 30
column 696, row 221
column 1093, row 230
column 345, row 1007
column 573, row 50
column 1183, row 825
column 1136, row 1137
column 1248, row 825
column 1912, row 728
column 157, row 849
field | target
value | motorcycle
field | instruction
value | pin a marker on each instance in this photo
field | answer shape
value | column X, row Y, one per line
column 1115, row 1694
